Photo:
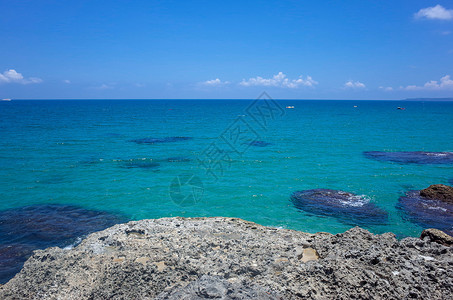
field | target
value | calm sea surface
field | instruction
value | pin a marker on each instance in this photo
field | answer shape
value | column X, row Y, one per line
column 89, row 154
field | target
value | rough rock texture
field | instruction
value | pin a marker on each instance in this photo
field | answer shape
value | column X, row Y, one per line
column 212, row 287
column 440, row 192
column 223, row 258
column 438, row 236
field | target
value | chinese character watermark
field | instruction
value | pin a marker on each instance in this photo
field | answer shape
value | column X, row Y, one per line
column 244, row 132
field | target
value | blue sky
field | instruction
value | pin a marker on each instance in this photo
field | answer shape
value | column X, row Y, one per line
column 226, row 49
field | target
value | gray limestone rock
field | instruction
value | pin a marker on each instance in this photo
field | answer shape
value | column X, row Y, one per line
column 225, row 258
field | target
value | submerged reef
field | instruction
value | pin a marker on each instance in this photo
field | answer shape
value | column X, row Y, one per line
column 427, row 212
column 170, row 139
column 137, row 163
column 28, row 228
column 150, row 163
column 412, row 157
column 141, row 163
column 347, row 207
column 226, row 258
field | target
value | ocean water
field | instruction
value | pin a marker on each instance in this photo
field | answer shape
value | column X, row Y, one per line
column 239, row 158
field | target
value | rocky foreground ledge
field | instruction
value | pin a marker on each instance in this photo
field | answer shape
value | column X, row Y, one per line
column 224, row 258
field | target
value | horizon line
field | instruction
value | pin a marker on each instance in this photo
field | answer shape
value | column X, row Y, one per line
column 216, row 99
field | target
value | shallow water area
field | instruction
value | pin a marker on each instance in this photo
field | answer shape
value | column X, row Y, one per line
column 80, row 152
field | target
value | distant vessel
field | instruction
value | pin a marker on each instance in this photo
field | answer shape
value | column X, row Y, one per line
column 6, row 99
column 290, row 107
column 402, row 108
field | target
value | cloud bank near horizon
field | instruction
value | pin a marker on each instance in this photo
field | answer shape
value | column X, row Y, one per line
column 12, row 76
column 445, row 83
column 354, row 85
column 214, row 82
column 279, row 80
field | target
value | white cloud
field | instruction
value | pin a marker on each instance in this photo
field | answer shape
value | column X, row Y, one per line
column 67, row 81
column 279, row 80
column 410, row 87
column 12, row 76
column 105, row 86
column 214, row 82
column 445, row 83
column 354, row 85
column 386, row 88
column 437, row 12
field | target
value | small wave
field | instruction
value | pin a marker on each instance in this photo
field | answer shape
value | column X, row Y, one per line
column 73, row 245
column 356, row 201
column 437, row 154
column 437, row 208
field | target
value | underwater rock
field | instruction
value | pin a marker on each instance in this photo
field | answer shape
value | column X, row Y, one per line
column 347, row 207
column 170, row 139
column 412, row 157
column 25, row 229
column 438, row 192
column 12, row 257
column 428, row 213
column 259, row 144
column 140, row 163
column 178, row 159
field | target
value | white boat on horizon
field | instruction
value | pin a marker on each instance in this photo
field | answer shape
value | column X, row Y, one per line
column 6, row 99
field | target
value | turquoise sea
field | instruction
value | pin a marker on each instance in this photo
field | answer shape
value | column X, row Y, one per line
column 89, row 154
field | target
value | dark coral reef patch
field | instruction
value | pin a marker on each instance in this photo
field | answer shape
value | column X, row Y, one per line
column 169, row 139
column 428, row 213
column 140, row 163
column 411, row 157
column 28, row 228
column 347, row 207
